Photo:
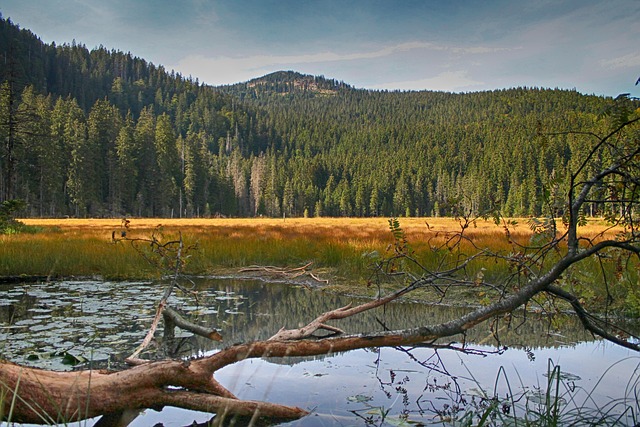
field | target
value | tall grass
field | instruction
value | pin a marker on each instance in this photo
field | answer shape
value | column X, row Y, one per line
column 558, row 402
column 84, row 247
column 336, row 246
column 62, row 254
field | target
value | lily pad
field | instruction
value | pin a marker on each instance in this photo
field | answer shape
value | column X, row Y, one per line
column 40, row 328
column 359, row 398
column 564, row 376
column 70, row 359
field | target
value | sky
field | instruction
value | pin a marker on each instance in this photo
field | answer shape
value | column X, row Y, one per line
column 444, row 45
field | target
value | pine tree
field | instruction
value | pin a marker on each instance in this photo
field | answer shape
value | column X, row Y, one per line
column 168, row 168
column 81, row 182
column 146, row 165
column 103, row 125
column 125, row 178
column 258, row 175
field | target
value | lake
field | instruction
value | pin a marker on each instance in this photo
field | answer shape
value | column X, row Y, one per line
column 99, row 323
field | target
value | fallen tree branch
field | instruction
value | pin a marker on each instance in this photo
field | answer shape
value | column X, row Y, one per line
column 339, row 313
column 290, row 273
column 183, row 323
column 317, row 279
column 589, row 321
column 150, row 333
column 277, row 270
column 348, row 311
column 171, row 317
column 57, row 397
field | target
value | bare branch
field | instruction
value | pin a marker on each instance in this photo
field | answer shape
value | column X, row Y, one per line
column 590, row 322
column 183, row 323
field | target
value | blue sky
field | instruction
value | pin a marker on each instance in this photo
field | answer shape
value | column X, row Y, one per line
column 450, row 45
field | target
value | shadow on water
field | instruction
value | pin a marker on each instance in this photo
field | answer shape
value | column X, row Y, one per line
column 98, row 323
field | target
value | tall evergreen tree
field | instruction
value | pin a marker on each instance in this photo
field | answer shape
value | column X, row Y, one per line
column 81, row 181
column 126, row 173
column 146, row 164
column 167, row 174
column 103, row 126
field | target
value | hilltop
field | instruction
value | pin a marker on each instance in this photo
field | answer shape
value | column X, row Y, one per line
column 286, row 83
column 104, row 133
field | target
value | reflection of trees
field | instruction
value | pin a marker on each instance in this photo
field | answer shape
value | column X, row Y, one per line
column 268, row 307
column 255, row 310
column 18, row 308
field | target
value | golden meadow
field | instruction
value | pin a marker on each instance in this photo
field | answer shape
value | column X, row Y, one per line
column 339, row 248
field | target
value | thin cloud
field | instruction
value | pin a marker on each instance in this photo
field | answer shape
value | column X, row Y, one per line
column 226, row 69
column 405, row 47
column 631, row 60
column 450, row 81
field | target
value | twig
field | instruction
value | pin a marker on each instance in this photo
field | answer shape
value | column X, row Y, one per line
column 150, row 333
column 291, row 273
column 313, row 276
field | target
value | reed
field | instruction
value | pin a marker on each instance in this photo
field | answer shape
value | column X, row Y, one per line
column 83, row 247
column 336, row 246
column 557, row 402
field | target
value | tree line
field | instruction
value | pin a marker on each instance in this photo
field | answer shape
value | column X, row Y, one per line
column 104, row 133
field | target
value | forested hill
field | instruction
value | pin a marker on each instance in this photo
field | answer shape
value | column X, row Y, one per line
column 103, row 133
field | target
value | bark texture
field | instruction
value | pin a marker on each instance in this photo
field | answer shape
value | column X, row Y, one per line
column 44, row 397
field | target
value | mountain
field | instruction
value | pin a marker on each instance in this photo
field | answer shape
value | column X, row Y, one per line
column 104, row 133
column 286, row 83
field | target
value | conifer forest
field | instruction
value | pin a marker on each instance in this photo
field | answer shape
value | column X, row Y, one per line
column 100, row 133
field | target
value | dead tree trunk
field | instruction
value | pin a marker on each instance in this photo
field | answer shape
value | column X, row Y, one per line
column 43, row 397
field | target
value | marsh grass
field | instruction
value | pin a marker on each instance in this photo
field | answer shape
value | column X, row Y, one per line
column 61, row 254
column 339, row 247
column 560, row 401
column 83, row 247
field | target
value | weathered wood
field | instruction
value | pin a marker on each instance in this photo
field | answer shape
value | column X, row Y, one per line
column 176, row 319
column 339, row 313
column 45, row 397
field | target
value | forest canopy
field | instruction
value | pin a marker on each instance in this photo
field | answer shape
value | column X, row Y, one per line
column 103, row 133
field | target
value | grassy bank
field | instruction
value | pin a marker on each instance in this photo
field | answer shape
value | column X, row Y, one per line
column 84, row 246
column 335, row 246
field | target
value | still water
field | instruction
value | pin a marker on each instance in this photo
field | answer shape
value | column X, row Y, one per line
column 99, row 323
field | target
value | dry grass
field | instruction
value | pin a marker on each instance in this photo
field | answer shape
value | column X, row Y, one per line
column 340, row 229
column 84, row 246
column 335, row 246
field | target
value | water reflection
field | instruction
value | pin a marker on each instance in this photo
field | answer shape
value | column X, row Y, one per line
column 104, row 321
